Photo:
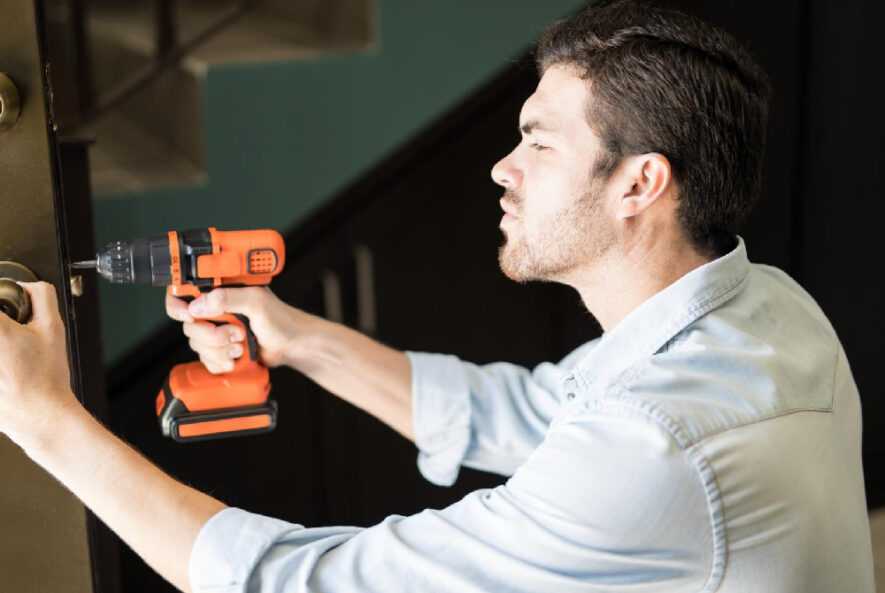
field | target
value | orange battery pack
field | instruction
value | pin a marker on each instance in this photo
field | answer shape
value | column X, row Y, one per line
column 195, row 405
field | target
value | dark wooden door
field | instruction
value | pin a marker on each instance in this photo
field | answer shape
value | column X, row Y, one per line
column 45, row 537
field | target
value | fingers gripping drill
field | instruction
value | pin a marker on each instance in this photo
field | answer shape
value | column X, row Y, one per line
column 194, row 404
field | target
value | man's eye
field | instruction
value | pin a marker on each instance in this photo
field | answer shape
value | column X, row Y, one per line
column 537, row 146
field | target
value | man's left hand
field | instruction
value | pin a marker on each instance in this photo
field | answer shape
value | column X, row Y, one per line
column 34, row 375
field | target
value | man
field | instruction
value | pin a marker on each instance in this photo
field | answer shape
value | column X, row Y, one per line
column 709, row 441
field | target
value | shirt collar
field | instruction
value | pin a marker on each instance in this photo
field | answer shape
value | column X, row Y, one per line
column 651, row 325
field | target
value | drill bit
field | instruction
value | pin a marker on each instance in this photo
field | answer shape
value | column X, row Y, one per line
column 85, row 265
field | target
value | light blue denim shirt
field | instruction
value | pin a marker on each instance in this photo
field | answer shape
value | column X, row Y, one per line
column 709, row 442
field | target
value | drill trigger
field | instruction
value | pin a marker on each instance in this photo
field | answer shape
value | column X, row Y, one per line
column 251, row 341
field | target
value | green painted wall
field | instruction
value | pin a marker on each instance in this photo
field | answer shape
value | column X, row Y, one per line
column 284, row 137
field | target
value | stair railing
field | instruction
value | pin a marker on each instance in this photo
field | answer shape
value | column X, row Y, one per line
column 169, row 53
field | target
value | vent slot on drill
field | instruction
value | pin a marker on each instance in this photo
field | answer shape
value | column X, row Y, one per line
column 262, row 261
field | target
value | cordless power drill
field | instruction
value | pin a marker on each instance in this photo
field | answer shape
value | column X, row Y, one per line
column 194, row 404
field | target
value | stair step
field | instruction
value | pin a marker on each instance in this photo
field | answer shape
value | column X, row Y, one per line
column 155, row 139
column 257, row 36
column 127, row 159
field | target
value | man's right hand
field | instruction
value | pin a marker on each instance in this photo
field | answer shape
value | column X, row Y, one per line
column 354, row 367
column 274, row 323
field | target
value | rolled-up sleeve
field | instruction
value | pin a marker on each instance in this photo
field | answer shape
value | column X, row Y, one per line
column 605, row 503
column 488, row 417
column 441, row 415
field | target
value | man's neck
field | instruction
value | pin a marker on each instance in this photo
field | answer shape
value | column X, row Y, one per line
column 631, row 274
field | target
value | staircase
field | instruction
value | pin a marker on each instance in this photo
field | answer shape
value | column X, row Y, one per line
column 155, row 139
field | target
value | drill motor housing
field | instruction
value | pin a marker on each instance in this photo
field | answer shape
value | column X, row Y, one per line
column 193, row 403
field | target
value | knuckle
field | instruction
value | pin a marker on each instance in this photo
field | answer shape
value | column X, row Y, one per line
column 218, row 299
column 218, row 354
column 202, row 331
column 211, row 366
column 44, row 290
column 218, row 367
column 221, row 336
column 233, row 333
column 200, row 347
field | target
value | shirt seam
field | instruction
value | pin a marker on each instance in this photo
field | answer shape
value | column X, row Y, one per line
column 835, row 374
column 692, row 440
column 706, row 474
column 712, row 432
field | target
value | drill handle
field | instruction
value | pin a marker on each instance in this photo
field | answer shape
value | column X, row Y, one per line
column 251, row 353
column 250, row 356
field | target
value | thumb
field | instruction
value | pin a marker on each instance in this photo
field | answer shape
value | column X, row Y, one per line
column 44, row 301
column 6, row 322
column 225, row 300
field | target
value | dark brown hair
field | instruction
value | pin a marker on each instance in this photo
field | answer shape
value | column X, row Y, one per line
column 666, row 82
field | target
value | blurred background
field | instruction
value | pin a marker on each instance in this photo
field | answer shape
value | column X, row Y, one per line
column 364, row 131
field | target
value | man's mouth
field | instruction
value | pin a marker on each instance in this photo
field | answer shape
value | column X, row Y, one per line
column 507, row 218
column 509, row 211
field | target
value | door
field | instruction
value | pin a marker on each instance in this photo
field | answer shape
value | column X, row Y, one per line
column 44, row 540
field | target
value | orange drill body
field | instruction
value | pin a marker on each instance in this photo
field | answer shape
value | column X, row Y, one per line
column 237, row 258
column 195, row 404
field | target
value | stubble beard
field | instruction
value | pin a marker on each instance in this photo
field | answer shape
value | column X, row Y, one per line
column 552, row 249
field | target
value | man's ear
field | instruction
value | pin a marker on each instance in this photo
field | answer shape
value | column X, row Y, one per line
column 644, row 179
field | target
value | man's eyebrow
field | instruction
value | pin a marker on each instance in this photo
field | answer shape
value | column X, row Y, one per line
column 535, row 125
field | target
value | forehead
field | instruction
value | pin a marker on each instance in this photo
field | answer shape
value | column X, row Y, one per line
column 560, row 100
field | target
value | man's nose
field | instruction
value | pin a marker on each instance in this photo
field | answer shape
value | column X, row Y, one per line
column 506, row 174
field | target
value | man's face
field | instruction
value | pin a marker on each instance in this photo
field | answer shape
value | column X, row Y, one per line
column 555, row 220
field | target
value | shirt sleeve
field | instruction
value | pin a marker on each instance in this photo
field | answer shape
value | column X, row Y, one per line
column 607, row 503
column 488, row 417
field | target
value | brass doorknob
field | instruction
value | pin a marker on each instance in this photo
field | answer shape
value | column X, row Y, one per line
column 14, row 300
column 10, row 103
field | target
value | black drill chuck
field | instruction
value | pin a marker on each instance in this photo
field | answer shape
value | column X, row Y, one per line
column 140, row 261
column 150, row 261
